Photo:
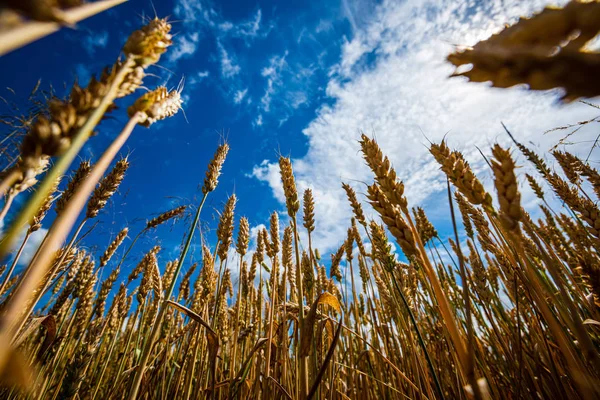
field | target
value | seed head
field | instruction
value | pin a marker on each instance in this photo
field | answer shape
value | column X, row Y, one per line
column 243, row 238
column 113, row 246
column 106, row 188
column 507, row 188
column 156, row 105
column 225, row 228
column 214, row 169
column 164, row 217
column 385, row 175
column 148, row 43
column 79, row 176
column 356, row 206
column 309, row 211
column 289, row 186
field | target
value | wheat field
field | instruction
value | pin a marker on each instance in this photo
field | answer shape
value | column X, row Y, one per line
column 507, row 308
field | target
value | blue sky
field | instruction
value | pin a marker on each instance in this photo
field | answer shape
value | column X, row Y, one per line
column 303, row 79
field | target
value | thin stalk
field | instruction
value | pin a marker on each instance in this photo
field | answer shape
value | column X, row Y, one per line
column 14, row 263
column 304, row 385
column 7, row 203
column 139, row 373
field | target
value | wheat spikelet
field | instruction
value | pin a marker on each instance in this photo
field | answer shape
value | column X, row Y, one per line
column 36, row 222
column 184, row 286
column 156, row 105
column 214, row 169
column 274, row 242
column 535, row 187
column 336, row 259
column 393, row 219
column 425, row 228
column 164, row 217
column 225, row 228
column 309, row 211
column 147, row 44
column 458, row 170
column 385, row 175
column 507, row 188
column 289, row 186
column 80, row 174
column 105, row 289
column 243, row 238
column 106, row 188
column 142, row 266
column 354, row 203
column 113, row 246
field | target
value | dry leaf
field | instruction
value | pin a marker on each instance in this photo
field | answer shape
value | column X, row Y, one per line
column 307, row 333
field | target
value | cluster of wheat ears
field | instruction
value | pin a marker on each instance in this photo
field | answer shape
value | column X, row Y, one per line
column 508, row 308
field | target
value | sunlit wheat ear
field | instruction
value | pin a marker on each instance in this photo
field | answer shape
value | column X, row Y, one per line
column 106, row 188
column 336, row 259
column 381, row 247
column 583, row 206
column 592, row 176
column 113, row 246
column 385, row 175
column 358, row 239
column 268, row 249
column 392, row 217
column 164, row 217
column 571, row 166
column 507, row 187
column 243, row 238
column 184, row 285
column 308, row 274
column 289, row 186
column 287, row 252
column 424, row 227
column 150, row 277
column 105, row 289
column 147, row 44
column 458, row 170
column 214, row 169
column 143, row 265
column 225, row 228
column 274, row 234
column 156, row 105
column 36, row 222
column 466, row 210
column 535, row 186
column 169, row 274
column 355, row 204
column 309, row 210
column 80, row 174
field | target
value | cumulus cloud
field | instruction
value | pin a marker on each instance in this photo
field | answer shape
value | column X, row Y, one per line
column 392, row 82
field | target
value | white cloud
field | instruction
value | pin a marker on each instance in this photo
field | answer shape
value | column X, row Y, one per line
column 273, row 74
column 248, row 30
column 33, row 242
column 185, row 46
column 239, row 96
column 229, row 67
column 392, row 81
column 197, row 77
column 95, row 41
